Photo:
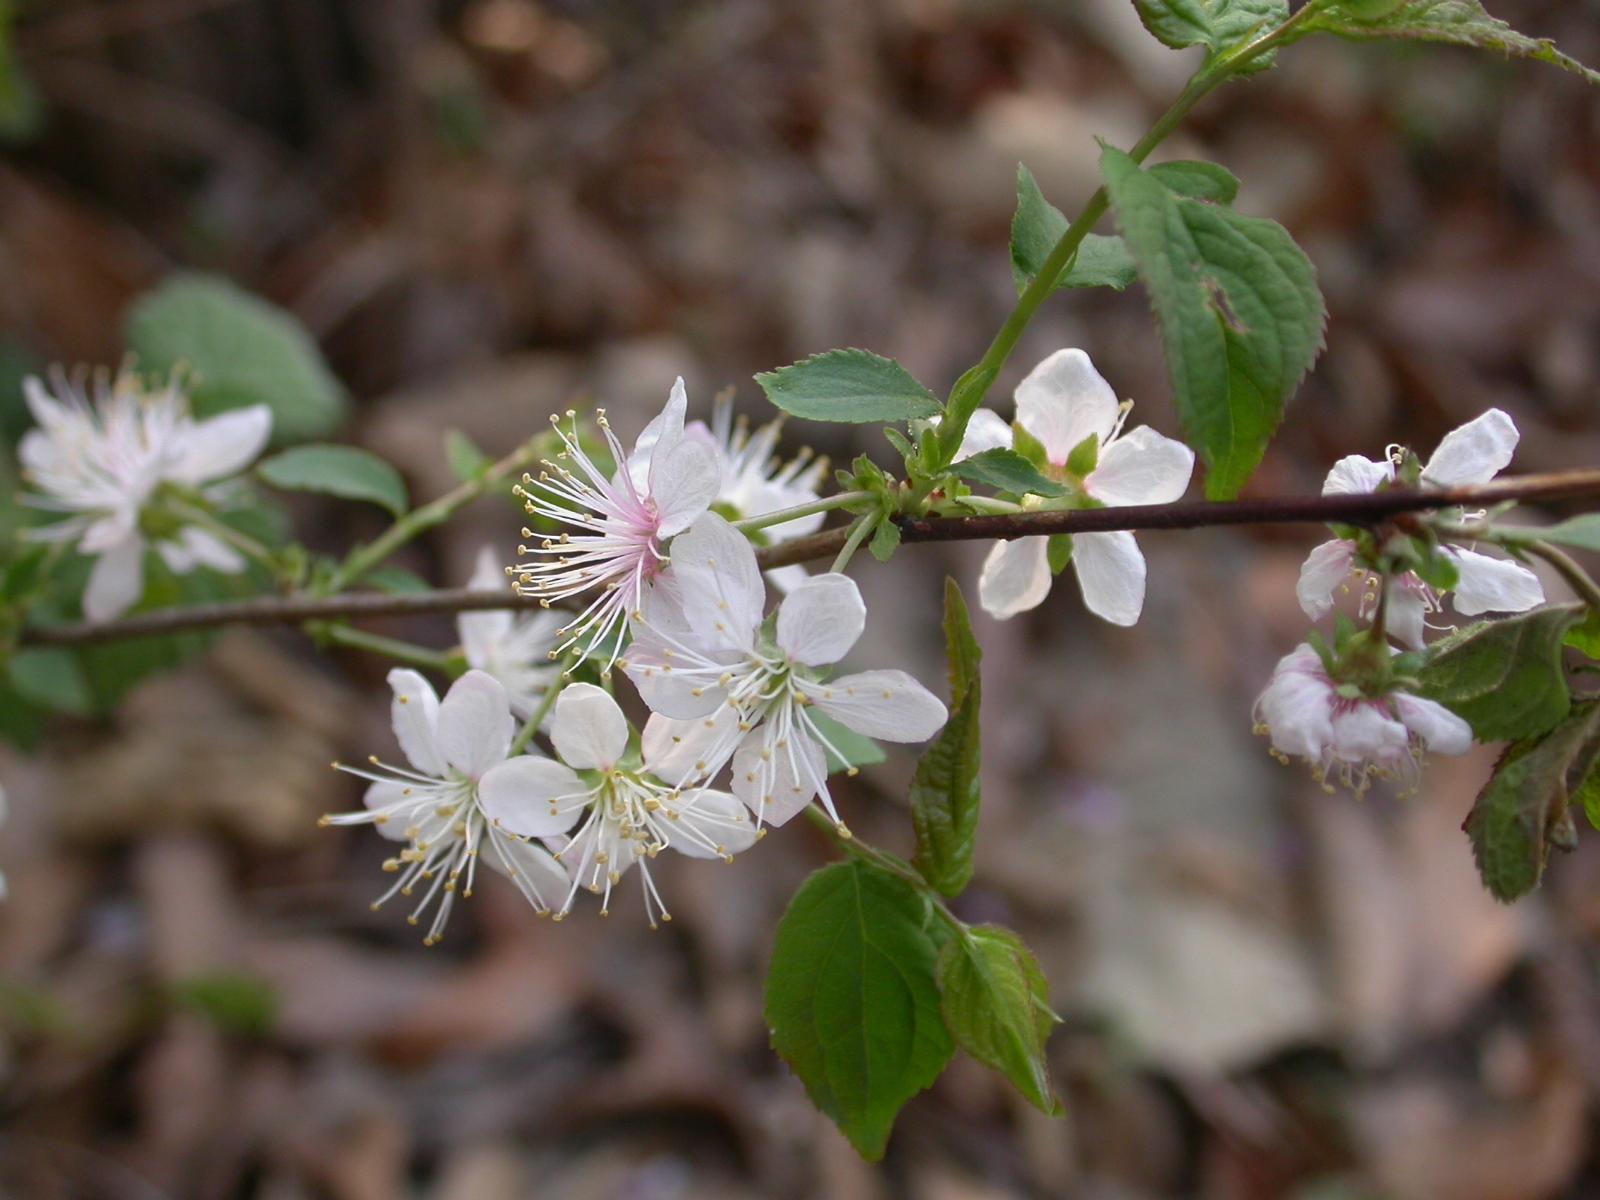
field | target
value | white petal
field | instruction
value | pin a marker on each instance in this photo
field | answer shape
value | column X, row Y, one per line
column 414, row 713
column 657, row 672
column 1063, row 400
column 108, row 532
column 1015, row 577
column 1297, row 707
column 475, row 727
column 538, row 876
column 1364, row 732
column 589, row 730
column 780, row 784
column 1441, row 730
column 1474, row 453
column 222, row 445
column 532, row 796
column 709, row 824
column 676, row 752
column 1111, row 575
column 663, row 433
column 481, row 633
column 1408, row 615
column 178, row 559
column 986, row 430
column 384, row 794
column 821, row 619
column 723, row 596
column 208, row 550
column 116, row 581
column 1141, row 467
column 1325, row 569
column 50, row 413
column 1488, row 584
column 683, row 483
column 881, row 704
column 1356, row 475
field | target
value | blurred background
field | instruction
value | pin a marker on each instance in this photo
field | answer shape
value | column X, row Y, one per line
column 488, row 210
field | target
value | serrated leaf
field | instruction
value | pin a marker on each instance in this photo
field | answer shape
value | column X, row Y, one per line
column 1036, row 228
column 53, row 678
column 996, row 1003
column 1581, row 532
column 1456, row 22
column 344, row 471
column 1007, row 471
column 885, row 540
column 1218, row 25
column 1504, row 677
column 239, row 350
column 1523, row 810
column 851, row 999
column 1240, row 314
column 849, row 386
column 1198, row 180
column 846, row 748
column 945, row 791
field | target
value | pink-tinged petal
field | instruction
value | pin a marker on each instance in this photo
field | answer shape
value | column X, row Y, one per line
column 715, row 566
column 708, row 824
column 116, row 581
column 483, row 632
column 1364, row 732
column 1015, row 577
column 821, row 619
column 986, row 430
column 1487, row 584
column 881, row 704
column 680, row 752
column 1064, row 400
column 222, row 445
column 475, row 727
column 1111, row 575
column 537, row 875
column 780, row 784
column 1356, row 476
column 414, row 713
column 532, row 796
column 1326, row 568
column 1441, row 731
column 1408, row 615
column 208, row 550
column 1141, row 467
column 683, row 483
column 662, row 434
column 589, row 731
column 1474, row 453
column 1297, row 706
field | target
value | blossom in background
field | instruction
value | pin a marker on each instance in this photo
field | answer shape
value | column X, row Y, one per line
column 619, row 817
column 1473, row 454
column 722, row 690
column 456, row 749
column 617, row 525
column 104, row 463
column 513, row 647
column 1066, row 406
column 1347, row 735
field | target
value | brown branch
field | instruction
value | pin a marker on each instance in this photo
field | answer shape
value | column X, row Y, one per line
column 1364, row 509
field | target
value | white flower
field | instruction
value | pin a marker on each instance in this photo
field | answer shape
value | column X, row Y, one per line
column 513, row 647
column 623, row 816
column 106, row 463
column 1347, row 735
column 622, row 522
column 720, row 689
column 1472, row 454
column 1062, row 404
column 456, row 749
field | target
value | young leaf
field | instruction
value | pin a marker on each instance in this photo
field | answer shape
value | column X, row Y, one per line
column 885, row 540
column 1198, row 180
column 1218, row 25
column 1504, row 677
column 240, row 350
column 1007, row 471
column 851, row 999
column 996, row 1003
column 1458, row 22
column 1239, row 309
column 1523, row 810
column 851, row 386
column 344, row 471
column 1036, row 228
column 1059, row 552
column 945, row 791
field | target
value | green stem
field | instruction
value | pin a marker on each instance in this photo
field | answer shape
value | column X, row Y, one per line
column 884, row 861
column 406, row 652
column 859, row 532
column 779, row 516
column 531, row 725
column 419, row 520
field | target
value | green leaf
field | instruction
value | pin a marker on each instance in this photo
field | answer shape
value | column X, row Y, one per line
column 851, row 999
column 1218, row 25
column 1007, row 471
column 945, row 791
column 232, row 1001
column 850, row 386
column 996, row 1003
column 344, row 471
column 1240, row 314
column 885, row 540
column 52, row 677
column 397, row 581
column 1036, row 228
column 1457, row 22
column 853, row 749
column 1582, row 532
column 463, row 455
column 240, row 350
column 1198, row 180
column 1584, row 637
column 1523, row 810
column 1504, row 677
